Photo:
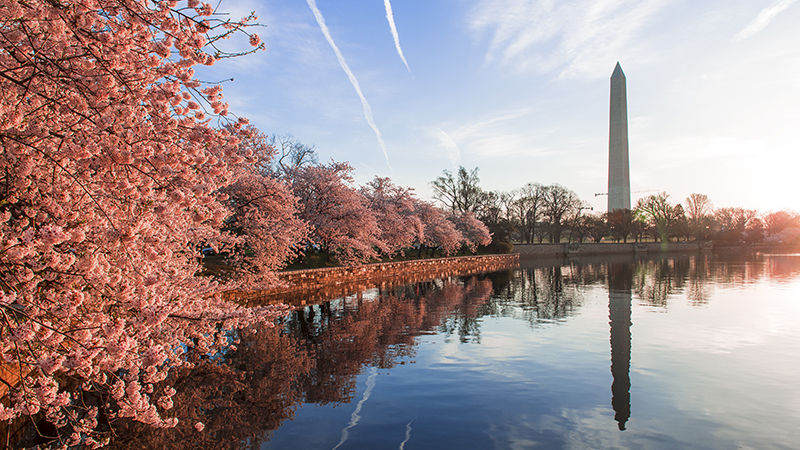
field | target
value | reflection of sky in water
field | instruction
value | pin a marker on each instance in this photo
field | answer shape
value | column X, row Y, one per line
column 714, row 357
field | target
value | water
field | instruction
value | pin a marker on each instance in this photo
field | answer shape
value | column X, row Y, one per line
column 685, row 351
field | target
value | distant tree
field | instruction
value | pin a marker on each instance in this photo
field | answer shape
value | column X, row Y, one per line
column 698, row 208
column 776, row 222
column 542, row 232
column 734, row 218
column 291, row 154
column 679, row 228
column 788, row 235
column 559, row 204
column 621, row 223
column 659, row 212
column 491, row 207
column 754, row 232
column 731, row 223
column 597, row 227
column 639, row 226
column 527, row 209
column 579, row 227
column 493, row 211
column 459, row 193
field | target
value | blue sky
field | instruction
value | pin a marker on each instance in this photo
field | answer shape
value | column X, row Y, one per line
column 519, row 88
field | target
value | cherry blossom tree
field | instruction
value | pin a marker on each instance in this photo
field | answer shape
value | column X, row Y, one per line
column 473, row 231
column 111, row 175
column 393, row 207
column 437, row 231
column 265, row 215
column 341, row 222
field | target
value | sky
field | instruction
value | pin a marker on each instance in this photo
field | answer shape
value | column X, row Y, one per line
column 520, row 89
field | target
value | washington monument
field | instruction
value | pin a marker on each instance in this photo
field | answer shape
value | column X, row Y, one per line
column 619, row 183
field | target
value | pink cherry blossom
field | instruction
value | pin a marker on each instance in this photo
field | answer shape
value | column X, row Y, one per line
column 340, row 219
column 473, row 231
column 111, row 184
column 393, row 207
column 436, row 230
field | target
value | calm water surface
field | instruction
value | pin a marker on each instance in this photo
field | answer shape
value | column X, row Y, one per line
column 686, row 351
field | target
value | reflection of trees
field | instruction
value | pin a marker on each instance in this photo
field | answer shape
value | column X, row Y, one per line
column 697, row 284
column 783, row 267
column 246, row 393
column 464, row 318
column 543, row 293
column 653, row 283
column 656, row 279
column 744, row 267
column 586, row 273
column 239, row 400
column 736, row 271
column 343, row 337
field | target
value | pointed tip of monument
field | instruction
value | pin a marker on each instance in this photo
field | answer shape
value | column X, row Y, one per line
column 618, row 71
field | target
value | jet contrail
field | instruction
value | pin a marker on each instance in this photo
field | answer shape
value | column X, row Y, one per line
column 354, row 418
column 364, row 104
column 393, row 28
column 763, row 19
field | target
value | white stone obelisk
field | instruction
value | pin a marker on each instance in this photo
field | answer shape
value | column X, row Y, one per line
column 619, row 183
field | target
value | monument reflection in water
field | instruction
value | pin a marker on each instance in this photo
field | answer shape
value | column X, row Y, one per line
column 620, row 283
column 516, row 359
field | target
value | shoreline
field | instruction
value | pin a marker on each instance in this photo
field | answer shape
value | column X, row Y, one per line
column 307, row 286
column 527, row 251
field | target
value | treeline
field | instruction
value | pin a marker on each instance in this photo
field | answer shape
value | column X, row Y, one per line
column 337, row 221
column 536, row 213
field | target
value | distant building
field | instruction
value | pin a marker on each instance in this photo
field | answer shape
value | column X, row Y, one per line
column 619, row 183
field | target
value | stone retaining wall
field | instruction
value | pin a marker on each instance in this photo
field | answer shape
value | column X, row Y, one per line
column 313, row 285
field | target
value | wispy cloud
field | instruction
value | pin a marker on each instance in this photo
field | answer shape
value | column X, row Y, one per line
column 763, row 19
column 355, row 417
column 574, row 39
column 450, row 146
column 364, row 104
column 393, row 28
column 490, row 137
